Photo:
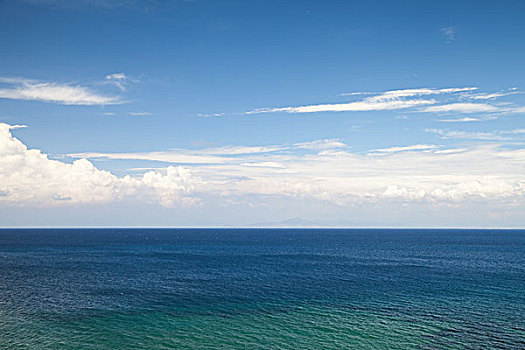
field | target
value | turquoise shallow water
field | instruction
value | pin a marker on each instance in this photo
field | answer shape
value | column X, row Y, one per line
column 262, row 289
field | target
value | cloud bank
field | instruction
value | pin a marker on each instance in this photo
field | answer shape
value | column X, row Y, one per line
column 322, row 171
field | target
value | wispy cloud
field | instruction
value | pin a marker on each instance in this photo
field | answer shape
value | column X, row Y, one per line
column 218, row 155
column 488, row 96
column 449, row 33
column 356, row 93
column 116, row 76
column 404, row 149
column 498, row 135
column 320, row 144
column 517, row 110
column 140, row 114
column 120, row 80
column 264, row 165
column 53, row 92
column 464, row 100
column 205, row 115
column 461, row 108
column 367, row 105
column 395, row 94
column 465, row 119
column 388, row 100
column 173, row 156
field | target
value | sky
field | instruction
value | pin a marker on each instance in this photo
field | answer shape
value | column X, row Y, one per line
column 242, row 113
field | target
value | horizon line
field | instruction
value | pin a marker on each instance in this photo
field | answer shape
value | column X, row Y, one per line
column 271, row 227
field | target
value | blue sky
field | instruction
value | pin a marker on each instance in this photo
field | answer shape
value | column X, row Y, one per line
column 212, row 113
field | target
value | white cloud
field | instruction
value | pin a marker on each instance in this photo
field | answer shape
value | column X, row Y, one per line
column 424, row 173
column 264, row 165
column 210, row 115
column 366, row 105
column 459, row 134
column 420, row 173
column 140, row 114
column 488, row 96
column 466, row 119
column 119, row 80
column 237, row 150
column 356, row 93
column 396, row 94
column 29, row 177
column 518, row 110
column 173, row 156
column 485, row 172
column 117, row 76
column 52, row 92
column 320, row 144
column 389, row 100
column 515, row 131
column 218, row 155
column 404, row 148
column 461, row 108
column 426, row 100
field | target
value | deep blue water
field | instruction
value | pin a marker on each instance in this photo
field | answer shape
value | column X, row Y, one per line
column 262, row 288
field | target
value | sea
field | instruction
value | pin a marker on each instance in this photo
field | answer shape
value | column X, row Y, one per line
column 262, row 289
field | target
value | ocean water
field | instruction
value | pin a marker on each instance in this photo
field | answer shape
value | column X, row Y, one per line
column 262, row 289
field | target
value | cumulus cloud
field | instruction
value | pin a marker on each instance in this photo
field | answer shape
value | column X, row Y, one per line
column 422, row 173
column 27, row 176
column 52, row 92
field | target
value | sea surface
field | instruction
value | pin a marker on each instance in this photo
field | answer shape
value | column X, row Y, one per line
column 262, row 289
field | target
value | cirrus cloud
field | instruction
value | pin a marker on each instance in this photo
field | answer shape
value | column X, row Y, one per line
column 53, row 92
